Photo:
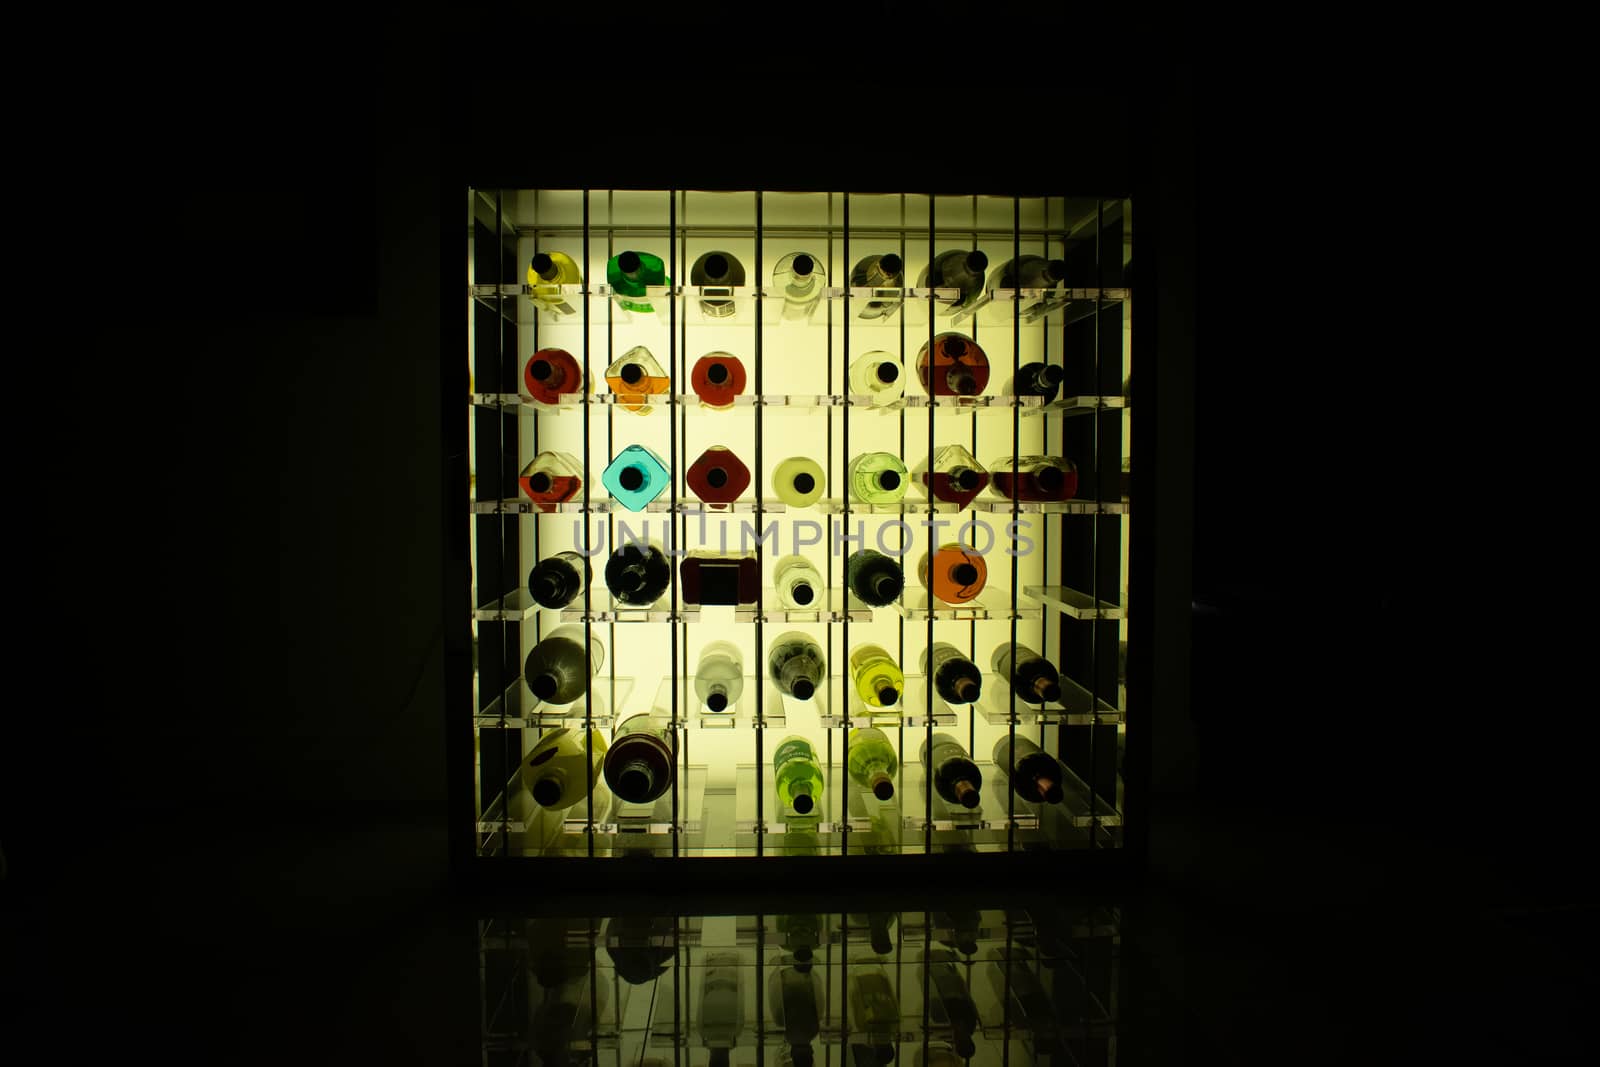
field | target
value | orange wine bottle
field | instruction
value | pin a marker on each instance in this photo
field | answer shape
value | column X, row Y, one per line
column 635, row 378
column 955, row 574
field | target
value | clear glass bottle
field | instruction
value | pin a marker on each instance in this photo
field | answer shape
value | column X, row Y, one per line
column 877, row 678
column 718, row 476
column 1037, row 379
column 958, row 268
column 638, row 768
column 799, row 583
column 955, row 777
column 955, row 677
column 885, row 271
column 1032, row 677
column 550, row 479
column 635, row 477
column 799, row 481
column 951, row 1003
column 717, row 378
column 638, row 573
column 1032, row 772
column 872, row 761
column 547, row 273
column 802, row 279
column 954, row 574
column 878, row 375
column 552, row 373
column 873, row 577
column 560, row 770
column 719, row 679
column 558, row 580
column 796, row 664
column 628, row 273
column 798, row 774
column 955, row 477
column 559, row 667
column 878, row 478
column 721, row 1005
column 1030, row 272
column 720, row 270
column 635, row 377
column 952, row 365
column 1037, row 478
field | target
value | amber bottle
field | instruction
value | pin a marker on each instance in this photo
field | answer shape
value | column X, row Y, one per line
column 954, row 365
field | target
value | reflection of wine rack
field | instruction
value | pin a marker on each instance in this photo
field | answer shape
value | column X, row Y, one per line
column 1064, row 596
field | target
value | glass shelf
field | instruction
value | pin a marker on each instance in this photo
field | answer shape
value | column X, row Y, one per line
column 981, row 402
column 695, row 715
column 518, row 707
column 608, row 608
column 1076, row 604
column 788, row 401
column 1076, row 405
column 1077, row 707
column 910, row 711
column 521, row 505
column 992, row 603
column 839, row 606
column 516, row 606
column 1003, row 306
column 700, row 507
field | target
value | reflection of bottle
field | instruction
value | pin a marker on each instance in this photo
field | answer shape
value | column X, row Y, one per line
column 879, row 925
column 1032, row 677
column 955, row 573
column 639, row 766
column 955, row 776
column 635, row 477
column 801, row 934
column 955, row 677
column 878, row 680
column 551, row 478
column 559, row 667
column 800, row 278
column 956, row 476
column 878, row 375
column 794, row 993
column 878, row 478
column 874, row 1012
column 551, row 373
column 1034, row 773
column 796, row 664
column 958, row 929
column 717, row 378
column 635, row 377
column 799, row 481
column 547, row 272
column 798, row 775
column 560, row 769
column 629, row 272
column 558, row 580
column 798, row 582
column 956, row 269
column 1013, row 983
column 706, row 577
column 719, row 680
column 721, row 1006
column 720, row 269
column 873, row 762
column 953, row 366
column 638, row 573
column 640, row 946
column 874, row 578
column 561, row 1016
column 951, row 1004
column 1037, row 478
column 886, row 271
column 718, row 476
column 1037, row 379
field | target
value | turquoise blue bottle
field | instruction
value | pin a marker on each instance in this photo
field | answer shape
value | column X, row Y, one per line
column 636, row 477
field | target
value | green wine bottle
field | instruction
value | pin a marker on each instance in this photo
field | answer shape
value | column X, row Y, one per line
column 878, row 478
column 873, row 762
column 799, row 777
column 877, row 678
column 629, row 272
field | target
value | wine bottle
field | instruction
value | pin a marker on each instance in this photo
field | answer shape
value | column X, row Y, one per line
column 716, row 378
column 799, row 583
column 550, row 479
column 953, row 364
column 559, row 667
column 877, row 678
column 635, row 477
column 718, row 270
column 955, row 573
column 878, row 478
column 558, row 580
column 794, row 994
column 874, row 578
column 872, row 761
column 706, row 577
column 799, row 777
column 801, row 279
column 879, row 376
column 955, row 677
column 885, row 271
column 718, row 476
column 796, row 664
column 547, row 273
column 1033, row 679
column 955, row 777
column 960, row 269
column 552, row 373
column 1037, row 379
column 721, row 1005
column 561, row 769
column 874, row 1011
column 638, row 573
column 629, row 272
column 719, row 679
column 799, row 481
column 1033, row 772
column 638, row 767
column 951, row 1003
column 635, row 377
column 1037, row 478
column 954, row 476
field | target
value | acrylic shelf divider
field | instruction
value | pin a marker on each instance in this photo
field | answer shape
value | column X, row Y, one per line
column 518, row 707
column 1078, row 808
column 693, row 713
column 1076, row 604
column 515, row 606
column 786, row 401
column 997, row 506
column 839, row 605
column 910, row 711
column 1077, row 706
column 992, row 603
column 607, row 608
column 521, row 505
column 1061, row 304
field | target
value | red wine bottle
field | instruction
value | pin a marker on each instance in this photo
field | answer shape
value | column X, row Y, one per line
column 718, row 476
column 710, row 578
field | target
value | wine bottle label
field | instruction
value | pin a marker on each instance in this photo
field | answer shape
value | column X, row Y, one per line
column 796, row 749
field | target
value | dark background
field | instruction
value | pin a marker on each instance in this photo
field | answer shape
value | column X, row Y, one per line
column 224, row 796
